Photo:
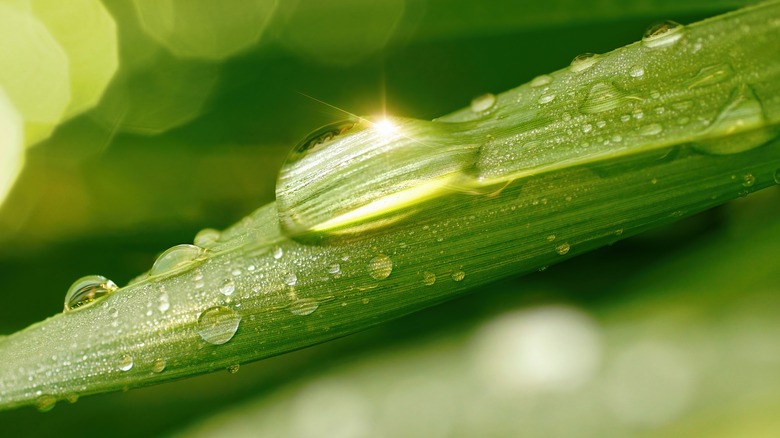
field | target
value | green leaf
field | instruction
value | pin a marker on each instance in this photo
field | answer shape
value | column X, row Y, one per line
column 562, row 165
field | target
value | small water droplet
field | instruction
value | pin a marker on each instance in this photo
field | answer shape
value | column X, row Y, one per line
column 583, row 62
column 334, row 269
column 87, row 290
column 158, row 365
column 541, row 81
column 551, row 238
column 112, row 312
column 748, row 180
column 232, row 369
column 278, row 253
column 227, row 287
column 563, row 248
column 603, row 97
column 290, row 279
column 662, row 34
column 380, row 267
column 458, row 275
column 777, row 176
column 546, row 98
column 45, row 402
column 586, row 128
column 429, row 278
column 651, row 129
column 636, row 71
column 206, row 238
column 125, row 362
column 217, row 325
column 72, row 397
column 638, row 114
column 177, row 258
column 304, row 306
column 483, row 102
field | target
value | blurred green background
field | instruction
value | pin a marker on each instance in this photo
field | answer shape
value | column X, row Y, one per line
column 148, row 120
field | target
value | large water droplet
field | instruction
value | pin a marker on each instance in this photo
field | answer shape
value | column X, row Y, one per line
column 711, row 75
column 278, row 252
column 227, row 287
column 176, row 259
column 483, row 102
column 741, row 126
column 541, row 81
column 87, row 290
column 158, row 365
column 304, row 306
column 206, row 238
column 662, row 34
column 563, row 248
column 125, row 362
column 583, row 62
column 429, row 278
column 290, row 279
column 458, row 276
column 45, row 402
column 603, row 97
column 217, row 325
column 380, row 267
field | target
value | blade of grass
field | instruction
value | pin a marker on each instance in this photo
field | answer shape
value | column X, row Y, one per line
column 273, row 294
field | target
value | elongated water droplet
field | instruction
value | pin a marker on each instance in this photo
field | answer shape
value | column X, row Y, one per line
column 334, row 269
column 541, row 81
column 458, row 275
column 206, row 238
column 380, row 267
column 158, row 365
column 583, row 62
column 546, row 98
column 651, row 129
column 176, row 259
column 45, row 402
column 740, row 127
column 711, row 75
column 662, row 34
column 125, row 362
column 603, row 97
column 483, row 102
column 278, row 253
column 87, row 290
column 563, row 248
column 227, row 287
column 429, row 278
column 304, row 306
column 217, row 325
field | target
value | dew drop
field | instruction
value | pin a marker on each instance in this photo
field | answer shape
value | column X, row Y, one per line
column 158, row 365
column 206, row 238
column 227, row 287
column 636, row 71
column 334, row 269
column 217, row 325
column 551, row 238
column 304, row 306
column 72, row 398
column 429, row 278
column 711, row 75
column 738, row 128
column 748, row 180
column 125, row 362
column 777, row 176
column 546, row 98
column 290, row 279
column 45, row 403
column 563, row 248
column 177, row 258
column 587, row 127
column 380, row 267
column 541, row 81
column 603, row 97
column 232, row 369
column 458, row 276
column 278, row 253
column 662, row 34
column 651, row 129
column 583, row 62
column 112, row 312
column 483, row 102
column 87, row 290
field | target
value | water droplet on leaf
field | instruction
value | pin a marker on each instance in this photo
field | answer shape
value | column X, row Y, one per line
column 380, row 267
column 662, row 34
column 206, row 238
column 748, row 180
column 541, row 81
column 740, row 127
column 304, row 306
column 176, row 259
column 563, row 248
column 87, row 290
column 583, row 62
column 458, row 276
column 651, row 129
column 232, row 369
column 483, row 102
column 290, row 279
column 429, row 278
column 637, row 71
column 45, row 403
column 227, row 287
column 217, row 325
column 603, row 97
column 125, row 362
column 159, row 365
